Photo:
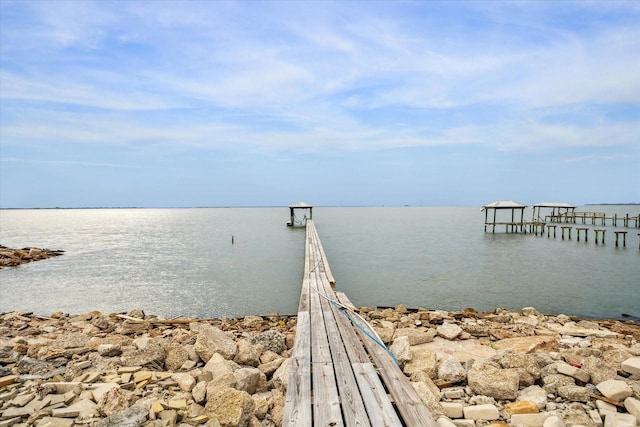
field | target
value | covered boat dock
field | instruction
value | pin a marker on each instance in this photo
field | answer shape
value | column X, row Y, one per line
column 514, row 224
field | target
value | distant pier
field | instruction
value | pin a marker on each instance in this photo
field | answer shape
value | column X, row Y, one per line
column 560, row 215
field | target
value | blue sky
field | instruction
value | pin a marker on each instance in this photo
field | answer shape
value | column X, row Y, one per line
column 214, row 103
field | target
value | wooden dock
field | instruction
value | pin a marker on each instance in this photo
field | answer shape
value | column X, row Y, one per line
column 341, row 374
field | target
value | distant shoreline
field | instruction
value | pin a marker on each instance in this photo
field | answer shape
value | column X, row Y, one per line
column 275, row 206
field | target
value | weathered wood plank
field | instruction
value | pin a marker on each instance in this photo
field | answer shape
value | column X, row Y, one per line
column 326, row 404
column 381, row 411
column 409, row 404
column 297, row 408
column 353, row 407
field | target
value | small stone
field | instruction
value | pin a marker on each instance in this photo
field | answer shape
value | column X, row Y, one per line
column 177, row 404
column 481, row 412
column 521, row 407
column 185, row 381
column 529, row 420
column 572, row 371
column 54, row 422
column 452, row 409
column 199, row 392
column 8, row 380
column 109, row 350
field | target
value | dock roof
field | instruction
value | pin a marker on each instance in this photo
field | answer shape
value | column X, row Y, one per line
column 553, row 205
column 504, row 204
column 301, row 205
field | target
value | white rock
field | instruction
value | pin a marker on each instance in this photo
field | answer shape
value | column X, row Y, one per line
column 553, row 421
column 615, row 389
column 481, row 412
column 633, row 406
column 445, row 422
column 620, row 420
column 572, row 371
column 452, row 409
column 605, row 408
column 632, row 365
column 464, row 423
column 595, row 417
column 529, row 420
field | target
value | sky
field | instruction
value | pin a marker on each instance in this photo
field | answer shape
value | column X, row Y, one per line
column 267, row 103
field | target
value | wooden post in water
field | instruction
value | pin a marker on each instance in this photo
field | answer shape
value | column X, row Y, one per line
column 586, row 233
column 597, row 232
column 549, row 229
column 563, row 228
column 624, row 238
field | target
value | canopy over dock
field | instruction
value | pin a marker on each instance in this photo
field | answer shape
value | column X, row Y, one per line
column 557, row 209
column 512, row 225
column 300, row 206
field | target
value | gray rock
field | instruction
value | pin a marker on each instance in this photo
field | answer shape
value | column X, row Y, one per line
column 553, row 381
column 211, row 340
column 247, row 379
column 449, row 331
column 135, row 416
column 401, row 350
column 247, row 354
column 271, row 340
column 528, row 362
column 574, row 393
column 451, row 370
column 218, row 366
column 176, row 356
column 598, row 369
column 151, row 352
column 281, row 376
column 422, row 359
column 232, row 408
column 488, row 380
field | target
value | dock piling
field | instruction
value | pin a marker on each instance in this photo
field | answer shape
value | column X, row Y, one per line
column 586, row 234
column 624, row 238
column 597, row 233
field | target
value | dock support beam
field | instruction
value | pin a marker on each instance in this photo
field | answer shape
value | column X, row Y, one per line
column 624, row 238
column 586, row 234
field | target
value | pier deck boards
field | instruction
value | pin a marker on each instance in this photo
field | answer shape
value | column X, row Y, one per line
column 339, row 376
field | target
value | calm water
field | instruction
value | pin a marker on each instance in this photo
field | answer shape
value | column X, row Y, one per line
column 182, row 262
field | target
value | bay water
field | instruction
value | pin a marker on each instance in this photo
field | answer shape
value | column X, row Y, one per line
column 214, row 262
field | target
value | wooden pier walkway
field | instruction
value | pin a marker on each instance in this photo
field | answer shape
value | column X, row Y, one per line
column 341, row 374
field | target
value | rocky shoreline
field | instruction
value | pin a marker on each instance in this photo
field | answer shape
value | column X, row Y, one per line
column 471, row 369
column 14, row 257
